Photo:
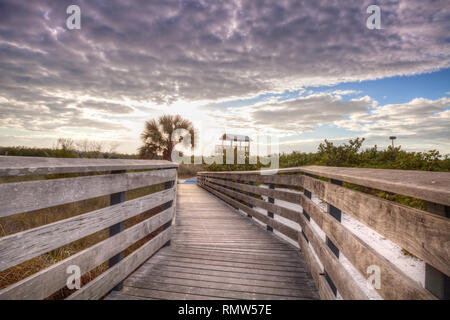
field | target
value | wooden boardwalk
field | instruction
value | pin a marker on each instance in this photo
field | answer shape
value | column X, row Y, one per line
column 218, row 253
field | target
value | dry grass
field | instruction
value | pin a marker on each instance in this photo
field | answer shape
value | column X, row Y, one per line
column 190, row 170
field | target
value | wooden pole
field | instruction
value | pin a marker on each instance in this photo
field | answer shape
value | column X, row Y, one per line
column 270, row 214
column 168, row 185
column 251, row 195
column 114, row 199
column 337, row 214
column 436, row 282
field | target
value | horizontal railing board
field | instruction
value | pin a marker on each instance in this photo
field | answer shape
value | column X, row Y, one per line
column 276, row 225
column 281, row 211
column 28, row 244
column 101, row 285
column 272, row 193
column 289, row 180
column 394, row 283
column 20, row 197
column 426, row 185
column 424, row 234
column 46, row 282
column 24, row 166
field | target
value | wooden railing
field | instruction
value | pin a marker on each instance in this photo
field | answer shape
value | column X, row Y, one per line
column 423, row 233
column 101, row 178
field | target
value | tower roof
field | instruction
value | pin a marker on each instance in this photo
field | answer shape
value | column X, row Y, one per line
column 234, row 137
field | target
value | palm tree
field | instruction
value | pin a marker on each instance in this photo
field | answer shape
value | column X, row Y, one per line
column 157, row 136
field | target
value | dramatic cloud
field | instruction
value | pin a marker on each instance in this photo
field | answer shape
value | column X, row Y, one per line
column 309, row 112
column 419, row 117
column 107, row 107
column 422, row 123
column 167, row 51
column 297, row 115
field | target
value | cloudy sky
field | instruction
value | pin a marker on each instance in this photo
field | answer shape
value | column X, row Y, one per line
column 300, row 70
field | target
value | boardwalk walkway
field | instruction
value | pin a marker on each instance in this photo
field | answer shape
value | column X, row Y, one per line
column 217, row 253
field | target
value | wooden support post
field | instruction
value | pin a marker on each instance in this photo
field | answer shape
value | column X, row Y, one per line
column 251, row 195
column 168, row 185
column 233, row 189
column 270, row 214
column 436, row 282
column 114, row 199
column 307, row 194
column 337, row 214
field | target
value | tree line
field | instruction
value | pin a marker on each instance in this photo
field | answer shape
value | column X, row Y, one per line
column 157, row 143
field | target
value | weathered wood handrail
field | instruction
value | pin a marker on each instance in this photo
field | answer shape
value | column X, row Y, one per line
column 111, row 177
column 426, row 234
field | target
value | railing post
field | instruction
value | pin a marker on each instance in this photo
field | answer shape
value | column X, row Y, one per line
column 307, row 194
column 251, row 195
column 337, row 214
column 233, row 189
column 117, row 198
column 168, row 185
column 270, row 214
column 436, row 282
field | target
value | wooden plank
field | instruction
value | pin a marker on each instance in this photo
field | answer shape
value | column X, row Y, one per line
column 142, row 282
column 281, row 211
column 424, row 234
column 44, row 283
column 425, row 185
column 149, row 268
column 284, row 229
column 231, row 258
column 161, row 294
column 395, row 284
column 160, row 272
column 116, row 295
column 274, row 253
column 237, row 264
column 272, row 193
column 19, row 197
column 101, row 285
column 159, row 260
column 220, row 293
column 291, row 260
column 289, row 180
column 28, row 244
column 25, row 166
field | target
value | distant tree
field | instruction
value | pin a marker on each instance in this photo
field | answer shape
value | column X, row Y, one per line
column 157, row 136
